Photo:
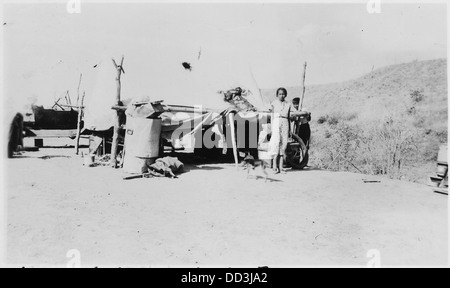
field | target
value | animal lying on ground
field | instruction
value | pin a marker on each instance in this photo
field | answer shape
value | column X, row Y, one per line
column 251, row 163
column 167, row 166
column 162, row 167
column 161, row 170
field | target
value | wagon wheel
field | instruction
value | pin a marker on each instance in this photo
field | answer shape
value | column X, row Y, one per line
column 297, row 153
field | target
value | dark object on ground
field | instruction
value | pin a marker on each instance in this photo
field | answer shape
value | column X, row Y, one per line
column 371, row 181
column 15, row 137
column 167, row 166
column 150, row 174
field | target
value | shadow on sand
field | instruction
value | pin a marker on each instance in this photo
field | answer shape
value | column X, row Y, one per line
column 45, row 157
column 190, row 167
column 257, row 177
column 306, row 169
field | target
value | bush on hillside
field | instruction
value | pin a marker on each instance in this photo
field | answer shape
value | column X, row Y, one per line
column 335, row 118
column 382, row 148
column 417, row 95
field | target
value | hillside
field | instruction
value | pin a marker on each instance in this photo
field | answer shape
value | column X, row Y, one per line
column 414, row 93
column 382, row 91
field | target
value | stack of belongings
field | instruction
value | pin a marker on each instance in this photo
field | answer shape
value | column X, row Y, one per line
column 237, row 98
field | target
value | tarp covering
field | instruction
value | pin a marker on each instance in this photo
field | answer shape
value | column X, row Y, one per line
column 98, row 114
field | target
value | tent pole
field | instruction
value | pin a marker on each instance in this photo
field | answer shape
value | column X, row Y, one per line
column 233, row 139
column 77, row 139
column 115, row 140
column 303, row 86
column 80, row 115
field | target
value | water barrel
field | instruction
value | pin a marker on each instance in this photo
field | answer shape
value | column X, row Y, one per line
column 142, row 139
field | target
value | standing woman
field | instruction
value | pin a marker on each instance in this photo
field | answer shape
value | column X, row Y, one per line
column 15, row 137
column 281, row 110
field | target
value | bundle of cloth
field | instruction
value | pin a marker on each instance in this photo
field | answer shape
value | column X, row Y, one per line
column 167, row 166
column 236, row 97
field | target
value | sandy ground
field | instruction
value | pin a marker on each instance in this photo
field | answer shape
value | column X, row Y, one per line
column 213, row 216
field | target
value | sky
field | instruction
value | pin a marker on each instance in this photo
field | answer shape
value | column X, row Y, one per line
column 45, row 48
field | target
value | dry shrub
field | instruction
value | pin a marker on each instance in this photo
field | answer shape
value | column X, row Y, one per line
column 336, row 118
column 417, row 95
column 382, row 148
column 388, row 147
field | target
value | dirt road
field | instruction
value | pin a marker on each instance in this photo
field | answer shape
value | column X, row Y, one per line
column 213, row 216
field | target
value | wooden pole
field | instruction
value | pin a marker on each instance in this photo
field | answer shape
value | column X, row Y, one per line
column 115, row 140
column 303, row 87
column 233, row 139
column 71, row 106
column 67, row 98
column 78, row 90
column 175, row 108
column 80, row 115
column 77, row 140
column 56, row 104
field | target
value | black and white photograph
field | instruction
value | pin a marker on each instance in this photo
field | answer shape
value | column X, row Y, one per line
column 243, row 134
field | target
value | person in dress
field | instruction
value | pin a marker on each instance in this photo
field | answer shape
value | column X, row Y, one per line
column 281, row 113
